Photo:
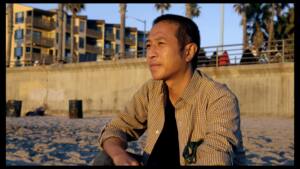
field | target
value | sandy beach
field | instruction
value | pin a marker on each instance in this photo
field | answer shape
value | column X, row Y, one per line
column 62, row 141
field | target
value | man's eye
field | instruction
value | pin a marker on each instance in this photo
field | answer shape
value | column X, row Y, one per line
column 160, row 43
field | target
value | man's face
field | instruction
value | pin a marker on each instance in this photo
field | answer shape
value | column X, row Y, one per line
column 163, row 52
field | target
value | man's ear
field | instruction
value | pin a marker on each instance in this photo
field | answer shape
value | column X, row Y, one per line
column 190, row 50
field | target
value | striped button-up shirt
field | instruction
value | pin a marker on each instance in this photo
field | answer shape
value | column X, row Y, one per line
column 207, row 111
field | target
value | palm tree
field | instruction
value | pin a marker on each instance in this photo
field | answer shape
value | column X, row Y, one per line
column 59, row 56
column 162, row 7
column 122, row 11
column 270, row 25
column 241, row 9
column 275, row 10
column 10, row 33
column 256, row 15
column 74, row 8
column 192, row 10
column 258, row 38
column 289, row 30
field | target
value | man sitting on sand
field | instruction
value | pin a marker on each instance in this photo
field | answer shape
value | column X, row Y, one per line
column 190, row 118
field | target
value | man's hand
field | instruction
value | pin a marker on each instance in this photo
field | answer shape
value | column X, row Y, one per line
column 124, row 159
column 115, row 148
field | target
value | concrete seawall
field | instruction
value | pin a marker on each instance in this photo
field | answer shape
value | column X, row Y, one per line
column 105, row 87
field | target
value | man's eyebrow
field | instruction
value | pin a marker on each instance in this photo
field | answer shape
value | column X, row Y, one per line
column 156, row 39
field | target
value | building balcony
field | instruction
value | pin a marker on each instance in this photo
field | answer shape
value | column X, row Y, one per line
column 68, row 29
column 93, row 49
column 130, row 54
column 129, row 41
column 110, row 37
column 43, row 42
column 40, row 23
column 94, row 33
column 68, row 44
column 41, row 59
column 109, row 52
column 140, row 44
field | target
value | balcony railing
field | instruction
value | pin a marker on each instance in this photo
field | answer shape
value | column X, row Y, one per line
column 40, row 23
column 68, row 44
column 140, row 44
column 109, row 52
column 40, row 59
column 43, row 41
column 68, row 29
column 130, row 54
column 109, row 36
column 130, row 41
column 93, row 49
column 94, row 33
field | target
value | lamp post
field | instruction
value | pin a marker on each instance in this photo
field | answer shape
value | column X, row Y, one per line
column 222, row 27
column 144, row 39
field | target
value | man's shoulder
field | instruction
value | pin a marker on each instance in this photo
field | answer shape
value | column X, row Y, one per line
column 211, row 86
column 152, row 85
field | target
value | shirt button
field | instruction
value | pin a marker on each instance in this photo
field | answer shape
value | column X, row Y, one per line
column 157, row 132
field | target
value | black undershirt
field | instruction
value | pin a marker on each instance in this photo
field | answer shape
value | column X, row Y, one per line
column 166, row 149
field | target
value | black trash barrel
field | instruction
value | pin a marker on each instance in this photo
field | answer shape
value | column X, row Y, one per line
column 13, row 108
column 75, row 108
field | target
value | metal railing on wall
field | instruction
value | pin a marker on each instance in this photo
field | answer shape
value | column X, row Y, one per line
column 278, row 51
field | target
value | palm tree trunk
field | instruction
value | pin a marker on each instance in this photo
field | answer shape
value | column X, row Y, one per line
column 122, row 30
column 245, row 36
column 271, row 27
column 10, row 33
column 188, row 12
column 72, row 38
column 60, row 32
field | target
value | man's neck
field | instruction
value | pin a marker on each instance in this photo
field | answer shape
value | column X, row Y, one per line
column 177, row 85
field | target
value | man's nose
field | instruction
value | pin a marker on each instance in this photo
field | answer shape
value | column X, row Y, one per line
column 151, row 53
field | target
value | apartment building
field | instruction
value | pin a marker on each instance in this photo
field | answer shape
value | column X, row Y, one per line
column 112, row 41
column 33, row 32
column 35, row 38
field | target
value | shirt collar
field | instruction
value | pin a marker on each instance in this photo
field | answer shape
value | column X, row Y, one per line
column 190, row 89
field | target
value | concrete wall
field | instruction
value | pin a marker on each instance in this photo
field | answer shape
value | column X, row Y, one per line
column 105, row 87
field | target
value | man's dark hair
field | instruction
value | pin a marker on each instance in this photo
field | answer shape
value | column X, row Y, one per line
column 187, row 32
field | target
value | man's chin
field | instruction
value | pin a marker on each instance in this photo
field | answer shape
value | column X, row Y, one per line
column 156, row 77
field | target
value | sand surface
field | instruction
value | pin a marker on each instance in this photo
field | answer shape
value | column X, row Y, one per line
column 63, row 141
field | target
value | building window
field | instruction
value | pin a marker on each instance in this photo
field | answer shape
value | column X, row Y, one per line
column 81, row 26
column 81, row 42
column 18, row 51
column 28, row 32
column 132, row 37
column 82, row 57
column 107, row 45
column 117, row 48
column 118, row 34
column 36, row 50
column 19, row 17
column 29, row 13
column 36, row 34
column 28, row 49
column 19, row 34
column 91, row 57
